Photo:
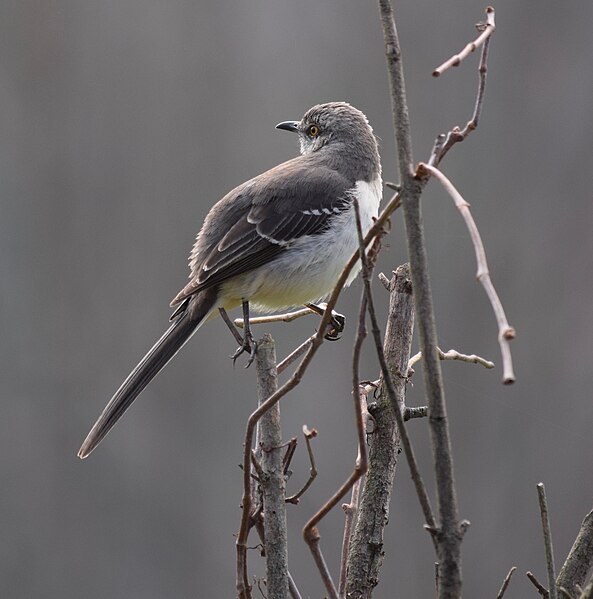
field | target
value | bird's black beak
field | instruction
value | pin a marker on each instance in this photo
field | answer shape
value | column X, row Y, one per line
column 288, row 126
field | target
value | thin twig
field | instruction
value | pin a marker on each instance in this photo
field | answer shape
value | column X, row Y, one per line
column 351, row 509
column 506, row 582
column 543, row 508
column 309, row 434
column 288, row 455
column 444, row 143
column 538, row 585
column 505, row 331
column 295, row 354
column 453, row 355
column 419, row 412
column 292, row 588
column 487, row 30
column 286, row 317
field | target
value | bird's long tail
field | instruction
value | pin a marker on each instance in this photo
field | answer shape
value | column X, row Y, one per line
column 184, row 326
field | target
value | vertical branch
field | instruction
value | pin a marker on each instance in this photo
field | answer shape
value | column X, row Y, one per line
column 366, row 553
column 272, row 479
column 543, row 508
column 449, row 534
column 399, row 103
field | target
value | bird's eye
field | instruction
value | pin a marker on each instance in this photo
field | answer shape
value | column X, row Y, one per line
column 313, row 131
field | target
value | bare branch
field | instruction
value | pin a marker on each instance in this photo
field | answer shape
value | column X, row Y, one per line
column 259, row 527
column 505, row 583
column 295, row 355
column 351, row 509
column 543, row 508
column 289, row 454
column 309, row 434
column 286, row 317
column 538, row 585
column 272, row 481
column 292, row 588
column 449, row 534
column 486, row 28
column 366, row 554
column 505, row 331
column 580, row 559
column 444, row 143
column 419, row 412
column 453, row 355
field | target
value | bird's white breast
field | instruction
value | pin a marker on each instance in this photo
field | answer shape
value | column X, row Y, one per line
column 309, row 270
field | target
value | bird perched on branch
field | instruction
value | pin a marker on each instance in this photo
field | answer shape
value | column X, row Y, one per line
column 278, row 240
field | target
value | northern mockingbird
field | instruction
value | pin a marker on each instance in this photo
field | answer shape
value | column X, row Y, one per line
column 278, row 240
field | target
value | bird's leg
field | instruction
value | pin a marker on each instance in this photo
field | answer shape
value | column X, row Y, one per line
column 248, row 344
column 336, row 325
column 229, row 323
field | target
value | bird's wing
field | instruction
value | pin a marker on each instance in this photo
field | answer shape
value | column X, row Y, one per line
column 286, row 203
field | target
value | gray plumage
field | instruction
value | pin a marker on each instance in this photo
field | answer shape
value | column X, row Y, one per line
column 278, row 240
column 259, row 219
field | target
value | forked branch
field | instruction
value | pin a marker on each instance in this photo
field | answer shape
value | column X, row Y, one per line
column 487, row 29
column 505, row 331
column 444, row 143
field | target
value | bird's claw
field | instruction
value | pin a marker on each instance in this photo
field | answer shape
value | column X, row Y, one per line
column 335, row 326
column 248, row 346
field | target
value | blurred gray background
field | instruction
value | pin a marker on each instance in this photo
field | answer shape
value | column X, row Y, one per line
column 114, row 114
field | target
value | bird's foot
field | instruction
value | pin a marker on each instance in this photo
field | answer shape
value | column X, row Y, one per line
column 336, row 323
column 335, row 326
column 248, row 346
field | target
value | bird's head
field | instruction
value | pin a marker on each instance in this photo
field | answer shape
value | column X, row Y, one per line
column 331, row 124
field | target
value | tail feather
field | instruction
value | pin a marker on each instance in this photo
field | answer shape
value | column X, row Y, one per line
column 185, row 325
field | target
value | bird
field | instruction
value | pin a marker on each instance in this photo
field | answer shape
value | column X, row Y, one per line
column 279, row 240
